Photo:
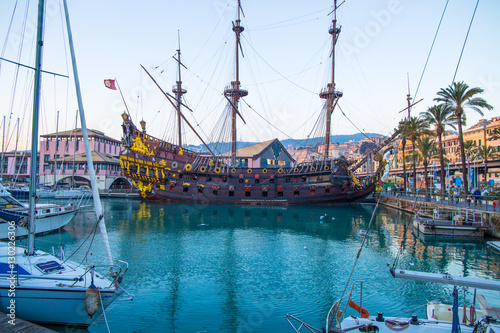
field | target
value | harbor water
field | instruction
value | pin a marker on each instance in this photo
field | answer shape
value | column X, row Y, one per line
column 225, row 268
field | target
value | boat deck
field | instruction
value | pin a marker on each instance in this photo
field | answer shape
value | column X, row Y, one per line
column 449, row 222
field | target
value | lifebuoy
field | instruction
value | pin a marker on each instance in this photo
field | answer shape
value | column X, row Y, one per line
column 217, row 169
column 174, row 165
column 296, row 170
column 313, row 168
column 233, row 170
column 264, row 170
column 249, row 170
column 280, row 170
column 327, row 168
column 188, row 167
column 203, row 168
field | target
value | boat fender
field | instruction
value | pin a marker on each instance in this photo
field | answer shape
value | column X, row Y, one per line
column 91, row 300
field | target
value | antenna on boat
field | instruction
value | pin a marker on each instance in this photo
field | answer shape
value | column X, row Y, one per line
column 330, row 94
column 178, row 90
column 234, row 93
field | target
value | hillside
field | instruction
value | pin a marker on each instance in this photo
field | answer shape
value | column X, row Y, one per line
column 295, row 143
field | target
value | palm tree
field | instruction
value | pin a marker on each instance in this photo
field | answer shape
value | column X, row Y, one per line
column 460, row 97
column 440, row 116
column 495, row 134
column 470, row 149
column 402, row 132
column 486, row 153
column 427, row 151
column 415, row 127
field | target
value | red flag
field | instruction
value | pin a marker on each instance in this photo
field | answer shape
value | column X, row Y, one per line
column 110, row 84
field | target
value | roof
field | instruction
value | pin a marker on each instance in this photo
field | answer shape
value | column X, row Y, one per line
column 71, row 133
column 251, row 151
column 97, row 157
column 257, row 149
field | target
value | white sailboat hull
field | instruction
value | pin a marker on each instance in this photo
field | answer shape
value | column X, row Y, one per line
column 53, row 306
column 48, row 290
column 43, row 225
column 403, row 324
column 71, row 194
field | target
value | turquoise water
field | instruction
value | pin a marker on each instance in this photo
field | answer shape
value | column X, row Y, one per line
column 218, row 268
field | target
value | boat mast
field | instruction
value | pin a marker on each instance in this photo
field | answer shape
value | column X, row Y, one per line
column 34, row 133
column 178, row 91
column 234, row 92
column 329, row 93
column 90, row 165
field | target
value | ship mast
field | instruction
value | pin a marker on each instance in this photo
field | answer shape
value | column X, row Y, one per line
column 179, row 91
column 330, row 94
column 233, row 92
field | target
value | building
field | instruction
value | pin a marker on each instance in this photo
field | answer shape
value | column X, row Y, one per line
column 479, row 135
column 62, row 160
column 269, row 154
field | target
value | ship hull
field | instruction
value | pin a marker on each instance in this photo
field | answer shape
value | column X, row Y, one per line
column 305, row 197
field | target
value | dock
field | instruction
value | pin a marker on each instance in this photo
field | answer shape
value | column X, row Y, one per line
column 20, row 326
column 119, row 193
column 489, row 212
column 455, row 222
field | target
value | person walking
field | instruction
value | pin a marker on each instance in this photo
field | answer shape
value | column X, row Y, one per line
column 477, row 196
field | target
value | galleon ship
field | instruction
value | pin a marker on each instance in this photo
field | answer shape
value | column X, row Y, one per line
column 264, row 173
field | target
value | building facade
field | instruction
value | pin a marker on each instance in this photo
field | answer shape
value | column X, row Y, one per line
column 62, row 161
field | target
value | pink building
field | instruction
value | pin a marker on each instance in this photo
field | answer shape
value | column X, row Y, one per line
column 62, row 159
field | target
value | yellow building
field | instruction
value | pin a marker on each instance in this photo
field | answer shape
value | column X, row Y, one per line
column 477, row 134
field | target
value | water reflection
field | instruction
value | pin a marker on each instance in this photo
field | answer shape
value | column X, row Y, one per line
column 197, row 267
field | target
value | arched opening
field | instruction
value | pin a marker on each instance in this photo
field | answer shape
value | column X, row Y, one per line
column 73, row 182
column 120, row 184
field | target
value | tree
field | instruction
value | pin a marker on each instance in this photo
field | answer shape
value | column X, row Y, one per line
column 440, row 116
column 486, row 153
column 415, row 127
column 495, row 134
column 460, row 97
column 470, row 149
column 402, row 132
column 427, row 151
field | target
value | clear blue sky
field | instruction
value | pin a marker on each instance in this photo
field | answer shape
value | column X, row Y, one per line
column 286, row 46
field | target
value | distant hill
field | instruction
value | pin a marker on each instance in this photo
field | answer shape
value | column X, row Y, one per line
column 295, row 143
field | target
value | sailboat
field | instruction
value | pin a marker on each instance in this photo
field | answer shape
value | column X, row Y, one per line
column 49, row 216
column 264, row 173
column 441, row 318
column 40, row 287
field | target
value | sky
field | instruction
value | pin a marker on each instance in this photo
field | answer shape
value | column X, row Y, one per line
column 381, row 52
